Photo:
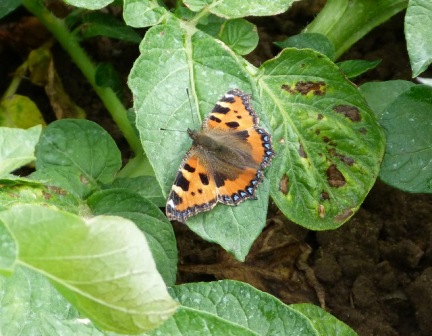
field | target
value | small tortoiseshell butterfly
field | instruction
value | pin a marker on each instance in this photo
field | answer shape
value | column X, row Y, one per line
column 225, row 161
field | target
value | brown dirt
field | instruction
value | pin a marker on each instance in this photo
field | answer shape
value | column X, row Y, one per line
column 374, row 273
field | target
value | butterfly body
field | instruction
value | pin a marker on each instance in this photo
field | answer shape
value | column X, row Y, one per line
column 225, row 161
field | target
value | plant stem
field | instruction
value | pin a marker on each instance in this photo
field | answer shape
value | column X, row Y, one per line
column 345, row 22
column 70, row 43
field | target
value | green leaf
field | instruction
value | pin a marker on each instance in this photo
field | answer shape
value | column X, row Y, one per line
column 107, row 76
column 101, row 24
column 146, row 186
column 149, row 219
column 315, row 41
column 30, row 305
column 240, row 8
column 381, row 94
column 7, row 6
column 354, row 68
column 327, row 141
column 17, row 147
column 323, row 322
column 138, row 13
column 89, row 4
column 19, row 111
column 168, row 52
column 418, row 25
column 77, row 155
column 103, row 265
column 240, row 35
column 243, row 310
column 407, row 121
column 8, row 253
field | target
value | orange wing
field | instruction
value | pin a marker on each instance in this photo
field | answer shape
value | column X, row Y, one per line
column 194, row 189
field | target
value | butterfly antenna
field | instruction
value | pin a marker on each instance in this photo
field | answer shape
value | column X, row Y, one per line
column 190, row 105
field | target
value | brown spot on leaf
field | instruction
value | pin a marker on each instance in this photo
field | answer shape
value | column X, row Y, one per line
column 284, row 184
column 335, row 177
column 344, row 216
column 326, row 138
column 320, row 116
column 325, row 196
column 345, row 159
column 351, row 112
column 317, row 88
column 287, row 88
column 302, row 153
column 363, row 130
column 317, row 132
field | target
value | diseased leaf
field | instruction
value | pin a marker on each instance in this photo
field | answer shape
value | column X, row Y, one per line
column 328, row 143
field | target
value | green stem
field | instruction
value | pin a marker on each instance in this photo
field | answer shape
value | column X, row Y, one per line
column 345, row 22
column 70, row 43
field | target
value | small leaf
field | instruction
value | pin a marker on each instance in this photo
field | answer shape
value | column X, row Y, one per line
column 149, row 219
column 232, row 9
column 142, row 13
column 354, row 68
column 407, row 121
column 103, row 265
column 418, row 25
column 315, row 41
column 17, row 147
column 379, row 95
column 20, row 112
column 101, row 24
column 240, row 35
column 328, row 142
column 79, row 155
column 89, row 4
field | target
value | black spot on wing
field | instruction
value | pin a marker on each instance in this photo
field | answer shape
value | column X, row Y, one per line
column 204, row 179
column 215, row 119
column 189, row 168
column 219, row 179
column 232, row 124
column 182, row 182
column 220, row 109
column 176, row 198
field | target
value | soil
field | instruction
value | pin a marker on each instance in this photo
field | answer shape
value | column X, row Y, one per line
column 374, row 273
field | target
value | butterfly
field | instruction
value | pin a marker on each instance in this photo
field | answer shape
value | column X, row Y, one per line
column 225, row 162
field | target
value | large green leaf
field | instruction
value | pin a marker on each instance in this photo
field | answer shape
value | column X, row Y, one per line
column 173, row 59
column 77, row 155
column 17, row 147
column 235, row 308
column 407, row 121
column 418, row 25
column 149, row 219
column 102, row 265
column 240, row 8
column 327, row 141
